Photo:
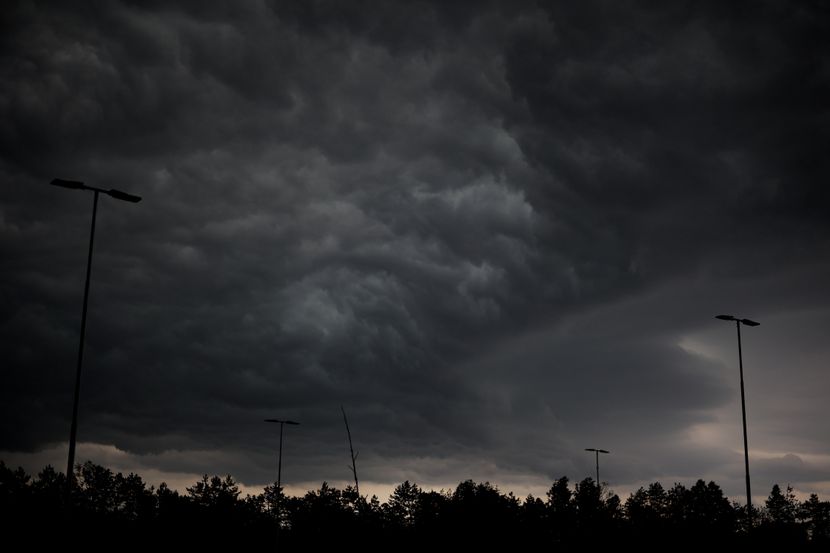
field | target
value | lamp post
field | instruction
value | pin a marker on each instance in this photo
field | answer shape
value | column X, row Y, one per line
column 282, row 423
column 597, row 451
column 738, row 323
column 279, row 461
column 118, row 195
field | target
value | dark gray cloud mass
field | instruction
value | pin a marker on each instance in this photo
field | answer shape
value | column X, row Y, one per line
column 496, row 232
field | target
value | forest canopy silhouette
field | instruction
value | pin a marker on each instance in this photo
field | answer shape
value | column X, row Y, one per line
column 109, row 509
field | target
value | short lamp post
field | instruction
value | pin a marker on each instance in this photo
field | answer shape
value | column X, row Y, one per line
column 597, row 451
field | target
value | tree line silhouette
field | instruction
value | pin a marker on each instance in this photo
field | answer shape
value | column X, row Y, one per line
column 113, row 511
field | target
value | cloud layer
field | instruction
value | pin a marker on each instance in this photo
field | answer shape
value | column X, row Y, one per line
column 495, row 232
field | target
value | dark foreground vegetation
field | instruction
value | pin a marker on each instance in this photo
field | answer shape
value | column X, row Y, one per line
column 117, row 512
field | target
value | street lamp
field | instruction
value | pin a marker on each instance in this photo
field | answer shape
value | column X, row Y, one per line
column 279, row 462
column 282, row 423
column 597, row 451
column 738, row 323
column 118, row 195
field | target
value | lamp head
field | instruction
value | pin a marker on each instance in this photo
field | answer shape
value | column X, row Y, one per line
column 118, row 195
column 282, row 421
column 74, row 184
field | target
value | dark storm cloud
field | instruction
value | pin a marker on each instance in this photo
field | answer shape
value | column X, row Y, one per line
column 676, row 110
column 458, row 220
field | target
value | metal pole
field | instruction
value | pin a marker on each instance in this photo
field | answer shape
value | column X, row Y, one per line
column 70, row 463
column 279, row 463
column 279, row 490
column 743, row 416
column 351, row 452
column 597, row 452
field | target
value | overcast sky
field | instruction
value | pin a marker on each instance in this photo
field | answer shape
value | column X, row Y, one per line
column 497, row 233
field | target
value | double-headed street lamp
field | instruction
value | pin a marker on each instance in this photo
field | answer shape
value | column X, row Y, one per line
column 118, row 195
column 597, row 451
column 738, row 323
column 282, row 423
column 279, row 462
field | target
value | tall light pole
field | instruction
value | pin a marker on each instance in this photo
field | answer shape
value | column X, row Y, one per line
column 279, row 461
column 118, row 195
column 738, row 323
column 597, row 451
